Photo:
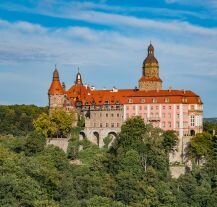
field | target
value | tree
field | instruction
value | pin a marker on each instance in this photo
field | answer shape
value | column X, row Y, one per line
column 170, row 140
column 132, row 134
column 63, row 121
column 59, row 123
column 18, row 119
column 44, row 125
column 34, row 143
column 200, row 146
column 98, row 201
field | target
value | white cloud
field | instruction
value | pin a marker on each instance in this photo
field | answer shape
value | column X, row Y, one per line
column 181, row 48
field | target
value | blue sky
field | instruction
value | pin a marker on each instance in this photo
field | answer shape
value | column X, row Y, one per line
column 108, row 41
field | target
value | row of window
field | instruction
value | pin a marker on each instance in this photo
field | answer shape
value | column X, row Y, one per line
column 152, row 107
column 101, row 125
column 107, row 115
column 154, row 115
column 154, row 100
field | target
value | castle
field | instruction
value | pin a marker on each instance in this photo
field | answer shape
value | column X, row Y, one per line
column 106, row 110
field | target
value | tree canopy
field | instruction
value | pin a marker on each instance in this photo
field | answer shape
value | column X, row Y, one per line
column 134, row 172
column 58, row 124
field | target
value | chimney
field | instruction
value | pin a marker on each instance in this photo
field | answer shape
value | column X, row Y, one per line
column 64, row 86
column 92, row 88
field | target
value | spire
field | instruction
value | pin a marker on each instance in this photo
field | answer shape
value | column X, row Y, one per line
column 150, row 57
column 55, row 74
column 55, row 87
column 78, row 78
column 150, row 49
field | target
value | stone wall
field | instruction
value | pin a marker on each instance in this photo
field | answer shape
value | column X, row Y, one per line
column 150, row 85
column 176, row 171
column 62, row 143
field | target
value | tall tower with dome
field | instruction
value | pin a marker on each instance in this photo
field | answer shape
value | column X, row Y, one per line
column 150, row 79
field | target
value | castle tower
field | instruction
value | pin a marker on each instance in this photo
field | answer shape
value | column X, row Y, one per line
column 150, row 79
column 78, row 79
column 56, row 92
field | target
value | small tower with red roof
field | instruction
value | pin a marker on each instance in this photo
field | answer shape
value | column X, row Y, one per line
column 56, row 92
column 150, row 79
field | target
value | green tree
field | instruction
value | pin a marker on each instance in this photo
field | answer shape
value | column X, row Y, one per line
column 132, row 134
column 201, row 146
column 98, row 201
column 170, row 140
column 18, row 119
column 59, row 123
column 43, row 124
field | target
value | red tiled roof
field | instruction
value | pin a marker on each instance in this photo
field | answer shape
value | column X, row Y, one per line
column 100, row 97
column 55, row 88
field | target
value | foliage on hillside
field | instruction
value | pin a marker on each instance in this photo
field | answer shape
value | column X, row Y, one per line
column 58, row 124
column 134, row 172
column 18, row 119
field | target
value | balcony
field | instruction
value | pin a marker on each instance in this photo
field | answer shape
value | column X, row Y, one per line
column 153, row 119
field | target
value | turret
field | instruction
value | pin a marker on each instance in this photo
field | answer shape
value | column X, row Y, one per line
column 56, row 92
column 150, row 79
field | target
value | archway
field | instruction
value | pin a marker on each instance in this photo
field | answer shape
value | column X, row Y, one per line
column 192, row 132
column 96, row 138
column 113, row 136
column 82, row 136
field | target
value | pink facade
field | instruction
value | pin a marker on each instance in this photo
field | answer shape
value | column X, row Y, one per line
column 185, row 119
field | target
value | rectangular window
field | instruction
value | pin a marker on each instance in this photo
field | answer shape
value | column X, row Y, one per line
column 177, row 124
column 112, row 115
column 118, row 125
column 127, row 107
column 152, row 107
column 163, row 115
column 140, row 108
column 106, row 115
column 101, row 125
column 164, row 107
column 167, row 100
column 145, row 107
column 117, row 115
column 130, row 100
column 112, row 125
column 169, row 115
column 177, row 107
column 157, row 107
column 177, row 115
column 192, row 120
column 169, row 124
column 154, row 100
column 134, row 107
column 107, row 125
column 170, row 107
column 163, row 124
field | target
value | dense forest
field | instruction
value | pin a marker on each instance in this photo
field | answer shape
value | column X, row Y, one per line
column 18, row 119
column 132, row 172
